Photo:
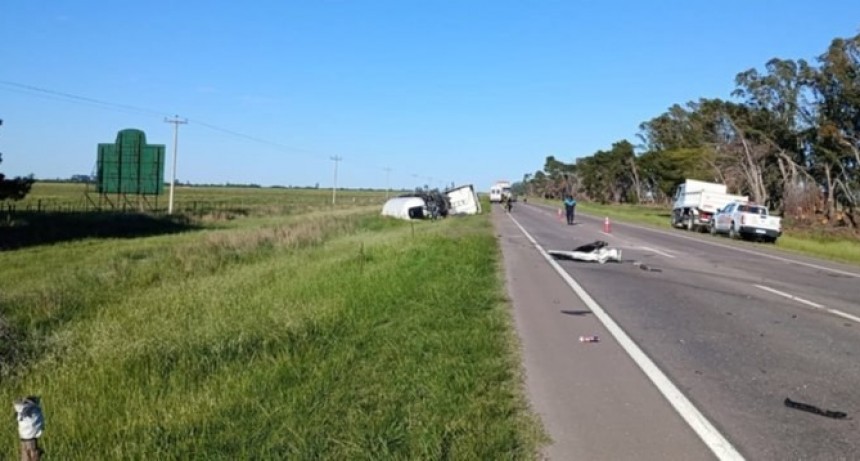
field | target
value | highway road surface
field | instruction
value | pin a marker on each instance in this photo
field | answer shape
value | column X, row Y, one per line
column 702, row 340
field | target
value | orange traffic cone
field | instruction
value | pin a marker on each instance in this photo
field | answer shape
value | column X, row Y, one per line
column 560, row 217
column 607, row 225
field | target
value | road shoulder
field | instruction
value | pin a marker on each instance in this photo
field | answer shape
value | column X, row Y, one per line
column 591, row 397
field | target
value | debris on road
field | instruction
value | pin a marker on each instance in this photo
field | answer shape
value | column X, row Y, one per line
column 597, row 251
column 815, row 410
column 589, row 339
column 646, row 267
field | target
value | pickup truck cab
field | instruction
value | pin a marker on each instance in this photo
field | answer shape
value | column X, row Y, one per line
column 746, row 220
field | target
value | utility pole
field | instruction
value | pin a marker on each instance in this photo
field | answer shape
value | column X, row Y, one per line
column 176, row 121
column 336, row 160
column 387, row 181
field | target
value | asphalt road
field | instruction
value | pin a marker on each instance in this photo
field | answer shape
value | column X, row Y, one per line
column 736, row 327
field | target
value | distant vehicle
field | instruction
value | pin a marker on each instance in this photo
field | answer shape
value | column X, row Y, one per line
column 500, row 190
column 696, row 202
column 747, row 220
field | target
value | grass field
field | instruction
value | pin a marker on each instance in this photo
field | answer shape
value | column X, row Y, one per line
column 195, row 200
column 321, row 334
column 833, row 247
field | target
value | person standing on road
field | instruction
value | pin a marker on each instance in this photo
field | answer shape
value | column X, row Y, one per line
column 569, row 208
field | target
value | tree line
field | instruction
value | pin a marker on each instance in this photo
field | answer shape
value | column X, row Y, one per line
column 13, row 188
column 789, row 139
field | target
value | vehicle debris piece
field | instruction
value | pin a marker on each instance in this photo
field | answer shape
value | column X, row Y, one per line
column 463, row 200
column 405, row 208
column 813, row 409
column 597, row 251
column 589, row 339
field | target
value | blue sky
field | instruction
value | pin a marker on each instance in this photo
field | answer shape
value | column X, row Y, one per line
column 436, row 91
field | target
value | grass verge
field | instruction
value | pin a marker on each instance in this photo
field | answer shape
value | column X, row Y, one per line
column 340, row 336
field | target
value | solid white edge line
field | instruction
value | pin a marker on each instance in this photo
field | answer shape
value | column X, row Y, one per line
column 790, row 296
column 844, row 315
column 718, row 444
column 730, row 247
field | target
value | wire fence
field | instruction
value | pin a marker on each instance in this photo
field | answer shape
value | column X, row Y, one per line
column 12, row 209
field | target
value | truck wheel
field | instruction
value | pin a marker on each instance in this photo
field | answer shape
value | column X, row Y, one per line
column 733, row 233
column 689, row 223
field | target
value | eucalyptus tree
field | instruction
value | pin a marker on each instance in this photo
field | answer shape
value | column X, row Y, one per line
column 785, row 122
column 611, row 176
column 16, row 188
column 836, row 88
column 561, row 177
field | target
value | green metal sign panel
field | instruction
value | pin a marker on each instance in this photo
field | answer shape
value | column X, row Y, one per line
column 130, row 165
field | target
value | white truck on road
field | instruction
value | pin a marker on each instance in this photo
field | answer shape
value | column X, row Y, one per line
column 747, row 220
column 499, row 191
column 696, row 202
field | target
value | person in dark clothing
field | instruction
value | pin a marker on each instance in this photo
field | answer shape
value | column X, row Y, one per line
column 569, row 208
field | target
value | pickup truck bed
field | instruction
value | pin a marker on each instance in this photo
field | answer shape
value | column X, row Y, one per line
column 739, row 219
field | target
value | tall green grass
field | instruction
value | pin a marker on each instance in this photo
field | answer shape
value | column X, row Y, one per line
column 325, row 336
column 833, row 248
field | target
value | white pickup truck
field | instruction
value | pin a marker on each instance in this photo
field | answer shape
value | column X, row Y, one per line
column 747, row 220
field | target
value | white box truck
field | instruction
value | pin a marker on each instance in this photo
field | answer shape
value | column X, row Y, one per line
column 696, row 202
column 499, row 190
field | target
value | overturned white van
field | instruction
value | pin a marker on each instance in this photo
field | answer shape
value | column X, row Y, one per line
column 405, row 208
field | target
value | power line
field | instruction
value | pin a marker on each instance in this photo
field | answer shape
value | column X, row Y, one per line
column 256, row 139
column 33, row 90
column 36, row 89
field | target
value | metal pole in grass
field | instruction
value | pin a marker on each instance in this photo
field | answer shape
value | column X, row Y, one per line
column 337, row 160
column 176, row 121
column 31, row 423
column 387, row 181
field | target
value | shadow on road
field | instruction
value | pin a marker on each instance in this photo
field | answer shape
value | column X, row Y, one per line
column 580, row 313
